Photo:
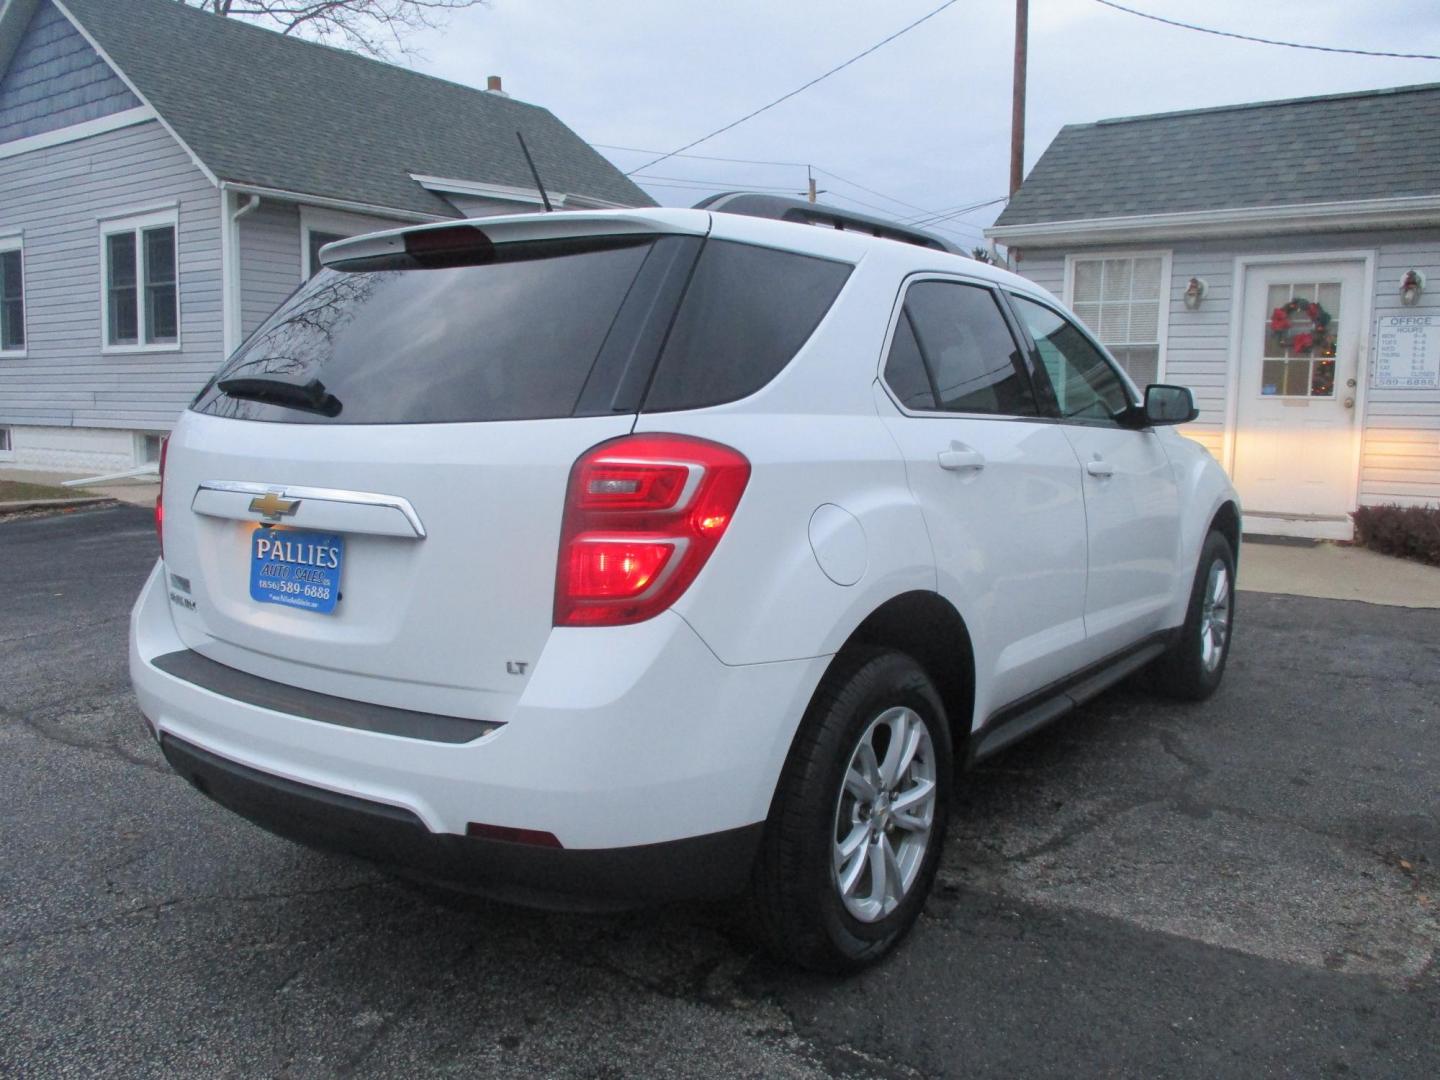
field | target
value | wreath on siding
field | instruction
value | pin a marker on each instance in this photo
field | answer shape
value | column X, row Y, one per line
column 1311, row 338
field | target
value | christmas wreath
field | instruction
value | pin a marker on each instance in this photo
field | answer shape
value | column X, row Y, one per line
column 1306, row 340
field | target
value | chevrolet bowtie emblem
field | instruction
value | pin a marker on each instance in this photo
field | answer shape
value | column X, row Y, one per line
column 272, row 506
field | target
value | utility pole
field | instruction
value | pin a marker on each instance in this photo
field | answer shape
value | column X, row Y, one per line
column 1017, row 112
column 812, row 182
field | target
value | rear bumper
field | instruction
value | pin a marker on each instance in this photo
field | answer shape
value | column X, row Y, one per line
column 715, row 865
column 652, row 763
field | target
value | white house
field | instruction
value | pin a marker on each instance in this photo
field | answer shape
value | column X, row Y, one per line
column 1280, row 258
column 166, row 178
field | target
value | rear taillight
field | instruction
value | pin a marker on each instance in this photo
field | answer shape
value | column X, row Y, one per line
column 160, row 497
column 642, row 515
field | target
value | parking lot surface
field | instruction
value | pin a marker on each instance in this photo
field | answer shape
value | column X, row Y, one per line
column 1247, row 887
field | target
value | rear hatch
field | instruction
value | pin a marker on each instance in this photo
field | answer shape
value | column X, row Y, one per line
column 366, row 500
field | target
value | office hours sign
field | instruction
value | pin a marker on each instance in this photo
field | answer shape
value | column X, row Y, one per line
column 1407, row 353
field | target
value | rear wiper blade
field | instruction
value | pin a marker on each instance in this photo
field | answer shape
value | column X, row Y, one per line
column 310, row 396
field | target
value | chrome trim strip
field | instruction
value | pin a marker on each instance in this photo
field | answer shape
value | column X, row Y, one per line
column 314, row 494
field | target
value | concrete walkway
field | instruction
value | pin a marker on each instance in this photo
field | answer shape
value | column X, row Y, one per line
column 1337, row 572
column 140, row 492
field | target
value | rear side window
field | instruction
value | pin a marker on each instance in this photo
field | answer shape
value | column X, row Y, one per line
column 745, row 315
column 515, row 338
column 953, row 352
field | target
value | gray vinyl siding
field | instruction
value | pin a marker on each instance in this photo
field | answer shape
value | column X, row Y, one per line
column 269, row 261
column 1046, row 269
column 56, row 79
column 56, row 197
column 1401, row 454
column 1400, row 435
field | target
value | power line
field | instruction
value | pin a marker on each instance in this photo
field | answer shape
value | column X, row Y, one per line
column 700, row 157
column 956, row 212
column 1265, row 41
column 713, row 184
column 758, row 161
column 872, row 191
column 800, row 89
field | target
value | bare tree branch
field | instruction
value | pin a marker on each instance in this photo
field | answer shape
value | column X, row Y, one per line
column 376, row 28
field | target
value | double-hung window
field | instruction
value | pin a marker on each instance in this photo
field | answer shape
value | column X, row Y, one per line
column 140, row 294
column 1122, row 299
column 12, row 297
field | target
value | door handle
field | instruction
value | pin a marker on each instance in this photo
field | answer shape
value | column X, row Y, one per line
column 958, row 460
column 1099, row 467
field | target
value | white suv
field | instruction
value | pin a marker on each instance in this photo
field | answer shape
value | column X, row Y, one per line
column 602, row 558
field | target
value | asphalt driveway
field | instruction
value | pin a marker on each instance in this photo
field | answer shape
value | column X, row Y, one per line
column 1249, row 887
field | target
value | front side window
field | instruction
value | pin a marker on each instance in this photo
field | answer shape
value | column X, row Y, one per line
column 1086, row 387
column 12, row 298
column 142, row 305
column 1119, row 300
column 953, row 352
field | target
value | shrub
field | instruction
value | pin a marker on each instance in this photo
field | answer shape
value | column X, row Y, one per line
column 1411, row 532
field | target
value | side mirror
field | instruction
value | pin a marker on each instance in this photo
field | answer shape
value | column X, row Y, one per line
column 1165, row 405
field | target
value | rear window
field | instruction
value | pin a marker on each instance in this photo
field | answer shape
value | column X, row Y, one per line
column 529, row 331
column 745, row 315
column 512, row 339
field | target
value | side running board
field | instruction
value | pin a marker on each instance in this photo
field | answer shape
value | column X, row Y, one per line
column 1030, row 714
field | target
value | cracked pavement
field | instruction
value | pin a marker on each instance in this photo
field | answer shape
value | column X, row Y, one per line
column 1248, row 887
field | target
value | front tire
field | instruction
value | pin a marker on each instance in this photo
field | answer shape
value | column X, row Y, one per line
column 1193, row 667
column 858, row 819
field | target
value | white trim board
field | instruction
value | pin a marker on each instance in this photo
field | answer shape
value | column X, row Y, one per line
column 75, row 132
column 1414, row 210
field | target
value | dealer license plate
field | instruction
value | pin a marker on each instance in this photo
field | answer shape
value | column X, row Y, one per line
column 296, row 568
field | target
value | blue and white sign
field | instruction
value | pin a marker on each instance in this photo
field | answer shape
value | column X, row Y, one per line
column 1407, row 353
column 297, row 569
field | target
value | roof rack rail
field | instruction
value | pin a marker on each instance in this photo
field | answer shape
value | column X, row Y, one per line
column 755, row 204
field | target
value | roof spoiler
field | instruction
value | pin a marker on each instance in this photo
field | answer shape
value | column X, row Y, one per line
column 358, row 252
column 781, row 208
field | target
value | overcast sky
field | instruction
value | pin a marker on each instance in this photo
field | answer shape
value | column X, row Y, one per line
column 926, row 119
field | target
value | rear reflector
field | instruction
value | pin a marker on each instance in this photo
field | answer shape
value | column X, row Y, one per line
column 160, row 497
column 533, row 837
column 642, row 515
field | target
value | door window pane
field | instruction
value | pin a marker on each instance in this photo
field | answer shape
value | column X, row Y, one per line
column 969, row 354
column 1120, row 301
column 1086, row 386
column 124, row 328
column 905, row 372
column 12, row 301
column 1302, row 322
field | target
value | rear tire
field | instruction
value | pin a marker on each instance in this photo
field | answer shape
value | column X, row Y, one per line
column 1192, row 668
column 858, row 819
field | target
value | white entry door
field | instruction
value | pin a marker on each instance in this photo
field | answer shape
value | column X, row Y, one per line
column 1299, row 373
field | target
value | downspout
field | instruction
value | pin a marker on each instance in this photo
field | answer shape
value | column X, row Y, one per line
column 230, row 265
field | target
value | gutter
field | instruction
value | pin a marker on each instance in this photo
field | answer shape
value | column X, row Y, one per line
column 1406, row 211
column 328, row 203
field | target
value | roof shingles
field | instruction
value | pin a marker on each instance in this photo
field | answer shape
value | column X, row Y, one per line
column 261, row 108
column 1372, row 145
